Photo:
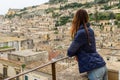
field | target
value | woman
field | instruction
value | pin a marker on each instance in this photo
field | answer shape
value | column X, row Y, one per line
column 83, row 47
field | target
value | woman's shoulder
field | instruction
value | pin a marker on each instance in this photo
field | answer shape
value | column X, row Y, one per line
column 81, row 32
column 91, row 30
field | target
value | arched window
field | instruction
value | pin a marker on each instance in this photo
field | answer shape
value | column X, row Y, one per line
column 108, row 58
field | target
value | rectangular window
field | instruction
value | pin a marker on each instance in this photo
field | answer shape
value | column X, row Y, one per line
column 6, row 44
column 26, row 77
column 4, row 72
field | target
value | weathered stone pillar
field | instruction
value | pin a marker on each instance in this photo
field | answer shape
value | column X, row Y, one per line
column 19, row 44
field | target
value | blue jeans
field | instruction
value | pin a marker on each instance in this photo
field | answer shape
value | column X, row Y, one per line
column 98, row 74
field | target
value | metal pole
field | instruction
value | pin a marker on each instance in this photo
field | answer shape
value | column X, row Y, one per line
column 53, row 71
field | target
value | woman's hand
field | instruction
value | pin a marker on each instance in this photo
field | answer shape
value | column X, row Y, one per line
column 76, row 58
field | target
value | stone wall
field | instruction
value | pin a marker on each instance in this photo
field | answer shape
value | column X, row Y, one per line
column 71, row 73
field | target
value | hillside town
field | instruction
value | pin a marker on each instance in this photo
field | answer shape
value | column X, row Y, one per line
column 35, row 35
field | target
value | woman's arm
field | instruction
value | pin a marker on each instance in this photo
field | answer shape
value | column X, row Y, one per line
column 78, row 41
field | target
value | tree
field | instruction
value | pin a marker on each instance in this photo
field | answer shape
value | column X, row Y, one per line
column 96, row 12
column 101, row 1
column 112, row 15
column 118, row 25
column 57, row 1
column 96, row 16
column 118, row 17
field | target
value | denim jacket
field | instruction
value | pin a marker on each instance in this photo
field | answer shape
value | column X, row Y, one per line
column 88, row 57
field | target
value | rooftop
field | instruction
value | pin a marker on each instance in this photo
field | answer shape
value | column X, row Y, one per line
column 9, row 39
column 10, row 62
column 113, row 65
column 108, row 51
column 26, row 53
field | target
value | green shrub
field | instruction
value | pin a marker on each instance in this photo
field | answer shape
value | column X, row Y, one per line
column 56, row 32
column 116, row 22
column 89, row 5
column 101, row 1
column 54, row 15
column 23, row 66
column 106, row 7
column 71, row 5
column 91, row 17
column 118, row 17
column 23, row 9
column 118, row 25
column 106, row 15
column 4, row 47
column 102, row 16
column 34, row 6
column 57, row 1
column 119, row 6
column 49, row 10
column 63, row 20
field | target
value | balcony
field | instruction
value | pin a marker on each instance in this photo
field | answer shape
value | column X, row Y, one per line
column 69, row 73
column 56, row 74
column 6, row 48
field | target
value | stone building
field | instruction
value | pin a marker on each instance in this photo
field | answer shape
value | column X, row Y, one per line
column 5, row 51
column 27, row 56
column 9, row 68
column 12, row 11
column 19, row 61
column 17, row 43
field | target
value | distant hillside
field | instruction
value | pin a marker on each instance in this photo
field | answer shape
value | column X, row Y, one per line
column 27, row 12
column 97, row 9
column 57, row 1
column 63, row 11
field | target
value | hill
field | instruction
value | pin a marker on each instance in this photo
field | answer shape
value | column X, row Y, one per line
column 62, row 11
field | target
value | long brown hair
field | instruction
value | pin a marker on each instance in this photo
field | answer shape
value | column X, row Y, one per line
column 80, row 18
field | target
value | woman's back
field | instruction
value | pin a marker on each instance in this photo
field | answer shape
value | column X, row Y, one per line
column 88, row 58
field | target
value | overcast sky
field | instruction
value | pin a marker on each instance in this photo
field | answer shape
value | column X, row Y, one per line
column 6, row 4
